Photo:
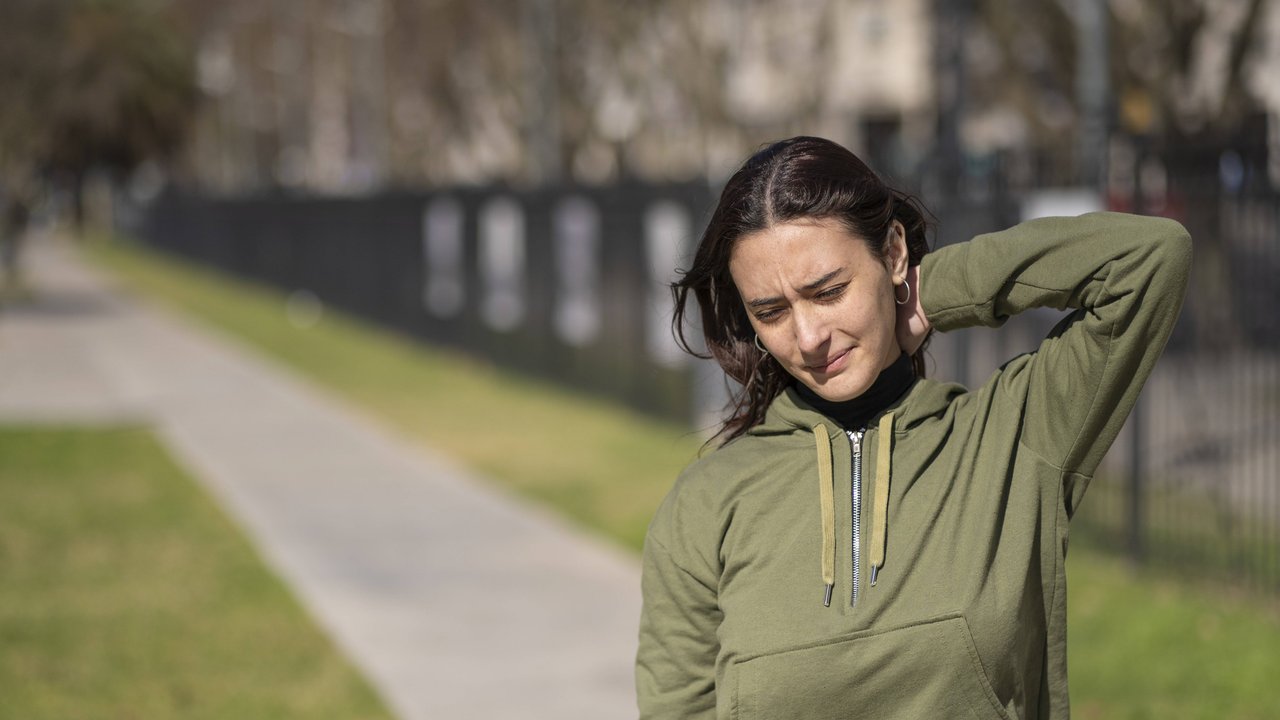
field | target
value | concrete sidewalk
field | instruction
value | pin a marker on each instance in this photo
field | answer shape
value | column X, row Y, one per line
column 454, row 599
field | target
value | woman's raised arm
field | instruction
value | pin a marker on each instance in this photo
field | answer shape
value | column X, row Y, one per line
column 1124, row 277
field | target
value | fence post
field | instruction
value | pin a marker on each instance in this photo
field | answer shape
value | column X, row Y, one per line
column 1134, row 494
column 1134, row 491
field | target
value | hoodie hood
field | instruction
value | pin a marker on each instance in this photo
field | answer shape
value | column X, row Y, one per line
column 922, row 401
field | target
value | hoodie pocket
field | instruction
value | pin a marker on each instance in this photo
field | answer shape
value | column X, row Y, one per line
column 928, row 669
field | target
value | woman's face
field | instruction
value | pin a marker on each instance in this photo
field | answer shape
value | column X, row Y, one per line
column 821, row 302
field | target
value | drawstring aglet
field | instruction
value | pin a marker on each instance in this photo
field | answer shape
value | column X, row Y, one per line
column 826, row 600
column 875, row 570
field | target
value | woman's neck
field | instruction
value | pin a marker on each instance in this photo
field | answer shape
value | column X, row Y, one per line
column 854, row 414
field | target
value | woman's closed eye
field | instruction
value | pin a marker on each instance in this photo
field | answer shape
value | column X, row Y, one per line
column 831, row 293
column 769, row 314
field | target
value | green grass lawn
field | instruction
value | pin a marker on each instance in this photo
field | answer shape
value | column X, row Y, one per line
column 126, row 593
column 1142, row 645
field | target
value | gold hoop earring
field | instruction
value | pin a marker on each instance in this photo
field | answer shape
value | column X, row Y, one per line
column 907, row 299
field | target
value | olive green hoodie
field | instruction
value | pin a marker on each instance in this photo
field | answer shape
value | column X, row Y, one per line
column 956, row 501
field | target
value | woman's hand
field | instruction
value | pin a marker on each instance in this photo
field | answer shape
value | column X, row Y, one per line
column 913, row 327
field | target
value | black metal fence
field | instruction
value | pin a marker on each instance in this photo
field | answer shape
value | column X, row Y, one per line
column 1194, row 482
column 564, row 284
column 569, row 284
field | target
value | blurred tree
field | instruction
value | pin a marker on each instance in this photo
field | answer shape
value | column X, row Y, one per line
column 103, row 86
column 1179, row 68
column 27, row 29
column 493, row 90
column 1189, row 58
column 654, row 89
column 1020, row 71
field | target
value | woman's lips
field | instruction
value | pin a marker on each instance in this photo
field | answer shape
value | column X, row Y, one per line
column 835, row 364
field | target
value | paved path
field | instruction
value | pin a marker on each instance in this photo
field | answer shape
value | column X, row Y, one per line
column 456, row 600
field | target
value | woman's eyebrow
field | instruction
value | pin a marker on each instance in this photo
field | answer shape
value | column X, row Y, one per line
column 761, row 302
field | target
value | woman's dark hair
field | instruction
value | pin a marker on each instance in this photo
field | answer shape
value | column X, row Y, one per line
column 799, row 178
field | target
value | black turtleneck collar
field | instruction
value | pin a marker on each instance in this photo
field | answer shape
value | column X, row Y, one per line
column 854, row 414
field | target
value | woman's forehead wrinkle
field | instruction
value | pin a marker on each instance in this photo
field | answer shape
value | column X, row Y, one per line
column 790, row 288
column 773, row 266
column 767, row 285
column 823, row 280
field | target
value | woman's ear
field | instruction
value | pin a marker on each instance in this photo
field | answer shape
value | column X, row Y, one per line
column 898, row 255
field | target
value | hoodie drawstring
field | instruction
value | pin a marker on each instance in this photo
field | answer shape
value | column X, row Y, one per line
column 827, row 498
column 880, row 520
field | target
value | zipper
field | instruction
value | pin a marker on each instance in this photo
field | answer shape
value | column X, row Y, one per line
column 855, row 439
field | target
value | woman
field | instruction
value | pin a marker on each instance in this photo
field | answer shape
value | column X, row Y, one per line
column 867, row 542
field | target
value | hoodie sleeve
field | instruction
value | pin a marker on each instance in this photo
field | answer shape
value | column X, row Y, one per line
column 675, row 664
column 1121, row 277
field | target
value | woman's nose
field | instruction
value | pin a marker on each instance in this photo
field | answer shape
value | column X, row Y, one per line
column 812, row 332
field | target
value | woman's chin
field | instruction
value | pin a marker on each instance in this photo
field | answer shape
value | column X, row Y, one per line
column 840, row 387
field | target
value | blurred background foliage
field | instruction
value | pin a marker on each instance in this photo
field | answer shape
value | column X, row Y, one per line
column 342, row 96
column 91, row 86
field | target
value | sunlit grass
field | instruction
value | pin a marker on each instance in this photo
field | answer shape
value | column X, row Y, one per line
column 125, row 592
column 1141, row 645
